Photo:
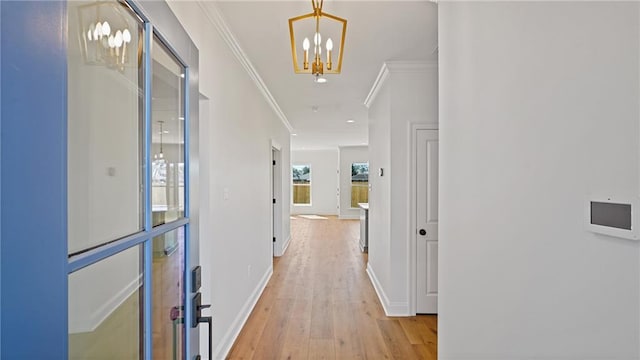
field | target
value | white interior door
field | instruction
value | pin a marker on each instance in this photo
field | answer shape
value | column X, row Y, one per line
column 427, row 221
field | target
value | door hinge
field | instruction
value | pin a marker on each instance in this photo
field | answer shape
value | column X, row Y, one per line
column 274, row 163
column 274, row 239
column 274, row 201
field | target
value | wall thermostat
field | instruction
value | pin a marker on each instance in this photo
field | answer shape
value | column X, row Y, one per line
column 613, row 216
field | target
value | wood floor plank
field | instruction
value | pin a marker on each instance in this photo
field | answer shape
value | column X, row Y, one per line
column 395, row 339
column 411, row 328
column 321, row 319
column 321, row 349
column 320, row 304
column 275, row 329
column 367, row 314
column 296, row 345
column 348, row 343
column 425, row 352
column 245, row 345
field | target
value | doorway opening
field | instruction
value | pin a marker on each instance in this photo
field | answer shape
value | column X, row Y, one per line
column 276, row 194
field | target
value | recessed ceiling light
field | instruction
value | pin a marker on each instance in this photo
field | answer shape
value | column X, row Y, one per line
column 320, row 80
column 294, row 134
column 351, row 121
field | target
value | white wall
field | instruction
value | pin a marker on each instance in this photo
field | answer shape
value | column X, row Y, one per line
column 349, row 155
column 324, row 181
column 236, row 159
column 380, row 194
column 539, row 110
column 407, row 94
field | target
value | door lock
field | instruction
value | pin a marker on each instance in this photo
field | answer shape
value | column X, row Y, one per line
column 197, row 318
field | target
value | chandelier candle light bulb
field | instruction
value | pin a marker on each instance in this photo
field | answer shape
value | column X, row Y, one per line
column 118, row 42
column 329, row 48
column 98, row 32
column 106, row 29
column 305, row 46
column 126, row 38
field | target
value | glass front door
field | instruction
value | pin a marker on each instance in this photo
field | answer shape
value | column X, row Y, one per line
column 128, row 221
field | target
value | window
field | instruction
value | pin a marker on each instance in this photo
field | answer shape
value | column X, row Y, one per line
column 301, row 176
column 359, row 184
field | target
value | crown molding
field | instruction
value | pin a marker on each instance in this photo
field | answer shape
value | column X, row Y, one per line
column 377, row 85
column 396, row 66
column 212, row 13
column 410, row 66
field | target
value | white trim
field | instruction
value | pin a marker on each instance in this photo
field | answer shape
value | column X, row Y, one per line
column 377, row 85
column 91, row 323
column 395, row 66
column 212, row 12
column 410, row 66
column 276, row 145
column 349, row 217
column 395, row 308
column 285, row 246
column 319, row 213
column 222, row 350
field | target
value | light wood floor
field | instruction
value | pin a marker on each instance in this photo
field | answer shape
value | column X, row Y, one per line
column 320, row 304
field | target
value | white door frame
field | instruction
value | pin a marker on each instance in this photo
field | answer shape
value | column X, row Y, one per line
column 276, row 186
column 413, row 214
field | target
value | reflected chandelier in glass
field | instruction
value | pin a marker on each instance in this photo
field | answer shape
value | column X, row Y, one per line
column 106, row 33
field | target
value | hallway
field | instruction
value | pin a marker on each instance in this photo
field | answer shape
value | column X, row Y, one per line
column 320, row 304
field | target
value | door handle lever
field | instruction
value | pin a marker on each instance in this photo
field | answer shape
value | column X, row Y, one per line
column 197, row 318
column 422, row 232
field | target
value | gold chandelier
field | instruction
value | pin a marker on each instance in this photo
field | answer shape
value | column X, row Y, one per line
column 334, row 26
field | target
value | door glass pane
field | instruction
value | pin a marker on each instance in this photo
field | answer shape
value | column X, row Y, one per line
column 105, row 89
column 105, row 308
column 167, row 147
column 168, row 295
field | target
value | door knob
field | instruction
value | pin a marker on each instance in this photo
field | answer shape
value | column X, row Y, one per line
column 422, row 232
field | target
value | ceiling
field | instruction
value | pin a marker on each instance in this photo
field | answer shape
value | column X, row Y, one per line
column 377, row 31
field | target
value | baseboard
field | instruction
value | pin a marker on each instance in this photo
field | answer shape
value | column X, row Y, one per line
column 286, row 245
column 222, row 350
column 303, row 211
column 282, row 250
column 349, row 217
column 391, row 308
column 101, row 313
